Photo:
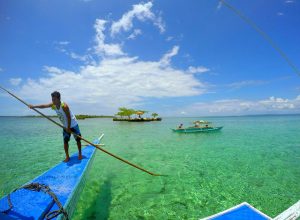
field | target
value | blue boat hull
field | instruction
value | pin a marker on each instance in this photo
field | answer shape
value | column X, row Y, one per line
column 196, row 130
column 66, row 180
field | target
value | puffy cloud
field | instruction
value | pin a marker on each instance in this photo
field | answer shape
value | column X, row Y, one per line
column 141, row 12
column 114, row 82
column 165, row 60
column 102, row 85
column 279, row 103
column 101, row 47
column 271, row 105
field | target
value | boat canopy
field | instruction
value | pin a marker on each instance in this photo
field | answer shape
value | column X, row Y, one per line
column 202, row 122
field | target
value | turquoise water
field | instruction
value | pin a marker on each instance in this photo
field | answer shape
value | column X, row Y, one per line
column 254, row 159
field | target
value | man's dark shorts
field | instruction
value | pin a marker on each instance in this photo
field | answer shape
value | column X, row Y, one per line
column 67, row 136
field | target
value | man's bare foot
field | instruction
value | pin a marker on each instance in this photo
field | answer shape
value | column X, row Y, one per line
column 67, row 159
column 79, row 157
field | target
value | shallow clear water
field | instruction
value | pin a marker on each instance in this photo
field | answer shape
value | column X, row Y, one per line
column 254, row 159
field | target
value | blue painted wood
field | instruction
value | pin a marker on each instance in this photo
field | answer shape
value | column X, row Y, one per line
column 195, row 130
column 243, row 212
column 66, row 180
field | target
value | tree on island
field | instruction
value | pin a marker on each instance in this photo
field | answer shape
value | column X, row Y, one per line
column 126, row 112
column 154, row 115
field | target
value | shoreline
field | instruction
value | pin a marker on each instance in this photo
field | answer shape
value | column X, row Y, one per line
column 109, row 116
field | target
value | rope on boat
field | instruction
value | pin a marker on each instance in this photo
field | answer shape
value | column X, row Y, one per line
column 46, row 189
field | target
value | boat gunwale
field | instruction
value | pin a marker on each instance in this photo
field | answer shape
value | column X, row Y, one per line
column 81, row 178
column 211, row 217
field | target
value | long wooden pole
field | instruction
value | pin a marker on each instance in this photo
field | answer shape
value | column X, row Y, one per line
column 105, row 151
column 263, row 34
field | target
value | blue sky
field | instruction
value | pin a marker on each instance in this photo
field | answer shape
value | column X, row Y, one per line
column 177, row 58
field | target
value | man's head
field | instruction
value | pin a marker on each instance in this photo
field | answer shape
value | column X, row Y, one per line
column 55, row 97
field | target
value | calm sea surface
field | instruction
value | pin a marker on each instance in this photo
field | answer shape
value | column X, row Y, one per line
column 254, row 159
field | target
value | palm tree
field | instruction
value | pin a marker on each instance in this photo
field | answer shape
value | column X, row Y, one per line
column 129, row 112
column 126, row 112
column 154, row 115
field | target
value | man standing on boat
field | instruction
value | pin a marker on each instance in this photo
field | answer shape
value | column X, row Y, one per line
column 68, row 120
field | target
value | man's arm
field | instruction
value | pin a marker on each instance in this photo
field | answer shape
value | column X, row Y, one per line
column 41, row 106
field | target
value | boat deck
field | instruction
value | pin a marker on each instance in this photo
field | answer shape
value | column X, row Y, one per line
column 66, row 180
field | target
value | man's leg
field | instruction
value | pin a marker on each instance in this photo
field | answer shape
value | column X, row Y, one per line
column 66, row 147
column 76, row 130
column 79, row 149
column 66, row 137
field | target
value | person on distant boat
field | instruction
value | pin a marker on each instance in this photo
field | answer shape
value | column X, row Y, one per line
column 197, row 124
column 180, row 126
column 67, row 119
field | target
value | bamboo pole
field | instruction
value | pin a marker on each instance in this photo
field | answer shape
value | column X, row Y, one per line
column 82, row 138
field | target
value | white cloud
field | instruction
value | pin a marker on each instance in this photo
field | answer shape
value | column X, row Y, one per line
column 225, row 107
column 169, row 38
column 114, row 82
column 289, row 1
column 1, row 70
column 279, row 103
column 63, row 42
column 135, row 33
column 61, row 46
column 246, row 83
column 53, row 70
column 84, row 58
column 117, row 79
column 102, row 48
column 165, row 60
column 160, row 24
column 15, row 81
column 280, row 14
column 199, row 69
column 141, row 12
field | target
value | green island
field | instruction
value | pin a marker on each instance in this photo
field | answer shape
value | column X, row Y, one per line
column 80, row 117
column 125, row 114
